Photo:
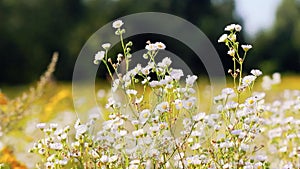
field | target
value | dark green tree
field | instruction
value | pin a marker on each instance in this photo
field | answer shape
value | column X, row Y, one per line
column 32, row 30
column 278, row 49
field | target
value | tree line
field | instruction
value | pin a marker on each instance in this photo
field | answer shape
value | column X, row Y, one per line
column 30, row 31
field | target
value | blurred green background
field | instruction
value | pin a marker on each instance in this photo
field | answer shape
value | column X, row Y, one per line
column 31, row 30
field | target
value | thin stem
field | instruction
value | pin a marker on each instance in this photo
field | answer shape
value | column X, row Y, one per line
column 234, row 75
column 124, row 51
column 108, row 69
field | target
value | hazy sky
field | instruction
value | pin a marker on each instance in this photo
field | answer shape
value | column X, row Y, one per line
column 257, row 14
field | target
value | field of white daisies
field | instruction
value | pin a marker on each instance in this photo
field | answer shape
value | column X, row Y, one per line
column 152, row 118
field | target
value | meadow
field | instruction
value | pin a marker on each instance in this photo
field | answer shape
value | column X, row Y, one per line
column 166, row 122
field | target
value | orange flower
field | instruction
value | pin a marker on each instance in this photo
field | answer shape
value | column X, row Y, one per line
column 3, row 99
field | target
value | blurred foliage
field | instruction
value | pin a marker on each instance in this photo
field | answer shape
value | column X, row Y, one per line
column 31, row 30
column 278, row 49
column 8, row 159
column 13, row 111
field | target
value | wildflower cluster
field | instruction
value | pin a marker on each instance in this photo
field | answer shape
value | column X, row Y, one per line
column 57, row 150
column 155, row 121
column 283, row 130
column 230, row 40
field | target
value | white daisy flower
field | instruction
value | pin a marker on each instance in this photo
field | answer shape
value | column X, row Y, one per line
column 81, row 129
column 190, row 80
column 166, row 62
column 104, row 159
column 246, row 47
column 261, row 157
column 106, row 46
column 228, row 91
column 223, row 38
column 144, row 116
column 176, row 74
column 230, row 27
column 56, row 146
column 238, row 27
column 163, row 107
column 160, row 45
column 41, row 125
column 99, row 55
column 151, row 47
column 188, row 104
column 245, row 147
column 138, row 132
column 131, row 92
column 117, row 24
column 247, row 80
column 199, row 116
column 256, row 72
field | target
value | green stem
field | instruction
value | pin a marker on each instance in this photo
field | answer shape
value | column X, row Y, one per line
column 241, row 72
column 107, row 67
column 124, row 51
column 234, row 75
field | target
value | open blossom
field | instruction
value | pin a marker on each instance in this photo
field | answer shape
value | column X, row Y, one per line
column 53, row 126
column 138, row 132
column 236, row 132
column 113, row 158
column 247, row 80
column 288, row 166
column 230, row 27
column 228, row 91
column 100, row 55
column 256, row 72
column 196, row 146
column 163, row 107
column 165, row 62
column 178, row 104
column 176, row 74
column 117, row 24
column 151, row 47
column 154, row 83
column 104, row 159
column 238, row 27
column 144, row 115
column 81, row 129
column 199, row 117
column 187, row 104
column 160, row 45
column 41, row 125
column 131, row 91
column 190, row 80
column 223, row 38
column 246, row 47
column 261, row 157
column 106, row 46
column 56, row 146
